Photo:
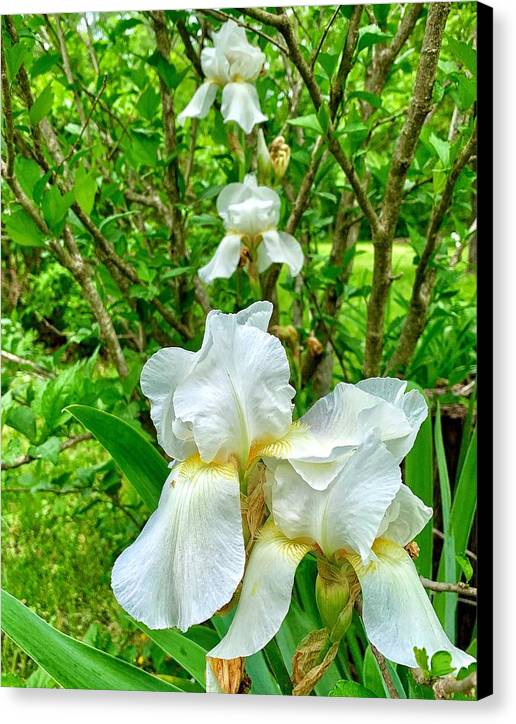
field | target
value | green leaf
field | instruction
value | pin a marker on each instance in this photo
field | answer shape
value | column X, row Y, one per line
column 329, row 62
column 419, row 476
column 23, row 230
column 148, row 103
column 352, row 689
column 85, row 188
column 370, row 98
column 27, row 173
column 465, row 566
column 371, row 35
column 422, row 660
column 140, row 462
column 14, row 58
column 49, row 450
column 187, row 653
column 22, row 419
column 55, row 207
column 447, row 610
column 44, row 63
column 166, row 71
column 71, row 663
column 442, row 148
column 440, row 665
column 464, row 53
column 42, row 105
column 311, row 122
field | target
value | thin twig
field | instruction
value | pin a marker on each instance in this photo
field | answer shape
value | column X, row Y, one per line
column 463, row 588
column 386, row 674
column 448, row 685
column 22, row 362
column 24, row 459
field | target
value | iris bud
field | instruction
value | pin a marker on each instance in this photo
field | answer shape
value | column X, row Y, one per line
column 335, row 595
column 280, row 156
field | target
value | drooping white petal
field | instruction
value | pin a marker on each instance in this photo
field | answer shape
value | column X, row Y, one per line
column 239, row 393
column 265, row 596
column 281, row 248
column 240, row 103
column 397, row 612
column 347, row 514
column 406, row 516
column 201, row 102
column 189, row 558
column 224, row 261
column 412, row 404
column 161, row 375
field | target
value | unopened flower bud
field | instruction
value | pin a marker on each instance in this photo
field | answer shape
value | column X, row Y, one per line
column 334, row 596
column 280, row 156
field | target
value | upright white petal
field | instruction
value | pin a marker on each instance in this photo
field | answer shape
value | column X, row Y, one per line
column 240, row 103
column 348, row 513
column 230, row 195
column 245, row 63
column 230, row 35
column 406, row 516
column 161, row 375
column 252, row 215
column 215, row 65
column 224, row 261
column 189, row 558
column 278, row 247
column 266, row 593
column 201, row 102
column 397, row 612
column 239, row 393
column 412, row 404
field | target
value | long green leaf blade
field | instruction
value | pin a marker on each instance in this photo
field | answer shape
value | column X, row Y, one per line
column 71, row 663
column 187, row 653
column 140, row 462
column 447, row 609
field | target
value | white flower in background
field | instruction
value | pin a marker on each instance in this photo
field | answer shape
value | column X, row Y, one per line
column 212, row 409
column 232, row 64
column 251, row 214
column 362, row 520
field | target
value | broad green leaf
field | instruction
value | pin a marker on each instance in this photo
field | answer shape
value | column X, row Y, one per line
column 14, row 57
column 71, row 663
column 148, row 103
column 49, row 450
column 465, row 53
column 447, row 611
column 22, row 229
column 419, row 476
column 465, row 566
column 22, row 418
column 441, row 665
column 84, row 189
column 442, row 148
column 329, row 62
column 55, row 206
column 27, row 173
column 44, row 63
column 140, row 462
column 465, row 498
column 42, row 105
column 311, row 122
column 352, row 689
column 371, row 35
column 370, row 98
column 187, row 653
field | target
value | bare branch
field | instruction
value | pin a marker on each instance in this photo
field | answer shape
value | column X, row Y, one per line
column 22, row 362
column 24, row 459
column 463, row 588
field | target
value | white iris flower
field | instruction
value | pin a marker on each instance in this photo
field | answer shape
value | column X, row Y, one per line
column 361, row 515
column 251, row 214
column 232, row 64
column 213, row 410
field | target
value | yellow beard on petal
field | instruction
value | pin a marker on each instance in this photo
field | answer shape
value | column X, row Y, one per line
column 283, row 446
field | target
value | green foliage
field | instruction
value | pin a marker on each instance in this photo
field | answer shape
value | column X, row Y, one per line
column 69, row 511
